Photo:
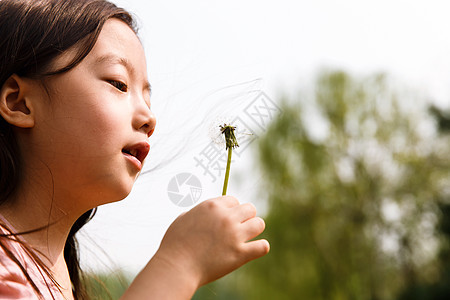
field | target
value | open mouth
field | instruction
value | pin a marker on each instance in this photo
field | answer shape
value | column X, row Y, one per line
column 139, row 151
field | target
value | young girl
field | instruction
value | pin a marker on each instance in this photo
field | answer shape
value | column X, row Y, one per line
column 74, row 125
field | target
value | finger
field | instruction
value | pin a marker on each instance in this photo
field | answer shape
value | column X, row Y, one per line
column 256, row 249
column 244, row 212
column 252, row 228
column 219, row 202
column 228, row 201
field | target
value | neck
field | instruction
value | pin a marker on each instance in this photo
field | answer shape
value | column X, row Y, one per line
column 36, row 210
column 45, row 211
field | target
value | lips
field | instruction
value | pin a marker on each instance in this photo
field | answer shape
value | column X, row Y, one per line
column 137, row 152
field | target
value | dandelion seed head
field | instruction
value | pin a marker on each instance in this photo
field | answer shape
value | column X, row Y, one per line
column 230, row 137
column 215, row 132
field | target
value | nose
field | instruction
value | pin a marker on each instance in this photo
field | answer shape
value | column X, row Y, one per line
column 144, row 119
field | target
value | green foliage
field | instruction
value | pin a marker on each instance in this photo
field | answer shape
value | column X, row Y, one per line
column 352, row 208
column 438, row 289
column 106, row 286
column 222, row 289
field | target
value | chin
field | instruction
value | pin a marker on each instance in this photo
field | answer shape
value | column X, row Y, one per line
column 123, row 190
column 114, row 191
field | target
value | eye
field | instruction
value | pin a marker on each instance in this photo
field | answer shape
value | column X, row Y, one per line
column 119, row 85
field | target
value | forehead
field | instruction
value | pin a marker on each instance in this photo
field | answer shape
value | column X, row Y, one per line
column 117, row 43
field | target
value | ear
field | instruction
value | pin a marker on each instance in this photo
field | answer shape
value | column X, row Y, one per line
column 15, row 102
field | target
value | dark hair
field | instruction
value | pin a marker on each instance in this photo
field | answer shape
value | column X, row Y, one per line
column 33, row 34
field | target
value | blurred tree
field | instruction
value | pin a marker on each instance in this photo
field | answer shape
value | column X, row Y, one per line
column 352, row 204
column 443, row 118
column 439, row 289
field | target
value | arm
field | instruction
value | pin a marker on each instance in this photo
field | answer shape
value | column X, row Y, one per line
column 200, row 246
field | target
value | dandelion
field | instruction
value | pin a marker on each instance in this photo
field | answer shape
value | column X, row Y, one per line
column 230, row 142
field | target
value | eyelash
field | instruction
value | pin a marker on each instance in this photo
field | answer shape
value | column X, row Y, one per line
column 119, row 85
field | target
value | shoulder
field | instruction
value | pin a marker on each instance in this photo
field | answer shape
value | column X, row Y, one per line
column 13, row 282
column 21, row 277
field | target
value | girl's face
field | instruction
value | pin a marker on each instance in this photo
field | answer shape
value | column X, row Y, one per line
column 91, row 128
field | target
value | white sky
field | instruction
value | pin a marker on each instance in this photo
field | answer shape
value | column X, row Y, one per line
column 202, row 52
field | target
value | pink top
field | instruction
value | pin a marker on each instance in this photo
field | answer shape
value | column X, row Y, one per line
column 13, row 282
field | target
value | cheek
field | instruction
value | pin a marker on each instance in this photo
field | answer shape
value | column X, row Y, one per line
column 102, row 126
column 83, row 129
column 101, row 121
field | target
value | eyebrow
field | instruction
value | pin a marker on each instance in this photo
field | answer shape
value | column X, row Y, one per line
column 113, row 59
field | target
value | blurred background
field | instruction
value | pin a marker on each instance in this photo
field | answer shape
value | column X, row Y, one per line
column 343, row 116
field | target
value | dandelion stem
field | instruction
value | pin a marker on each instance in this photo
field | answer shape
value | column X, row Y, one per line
column 227, row 172
column 231, row 142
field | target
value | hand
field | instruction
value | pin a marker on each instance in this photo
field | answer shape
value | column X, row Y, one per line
column 212, row 239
